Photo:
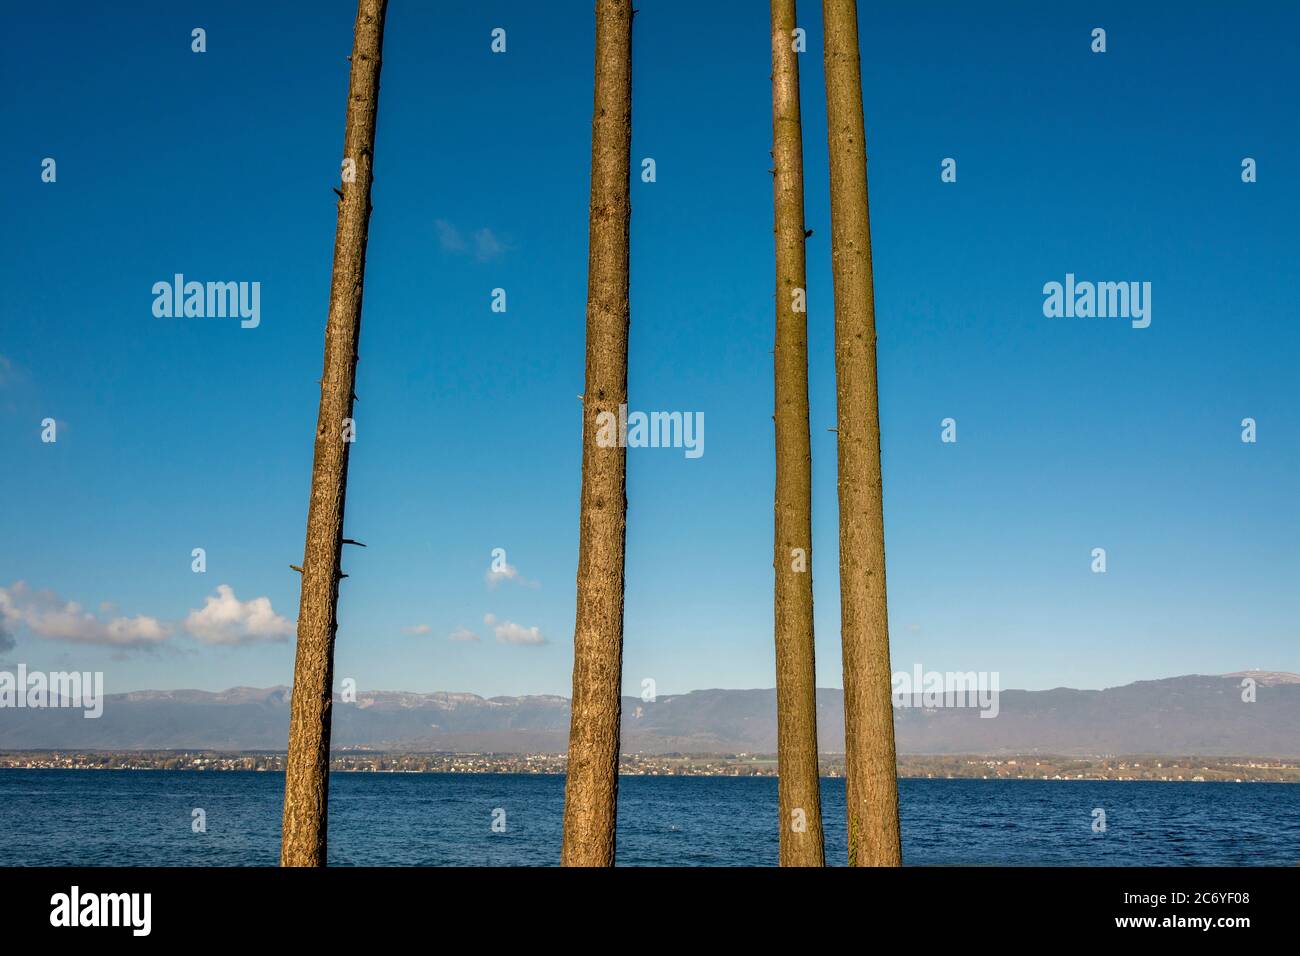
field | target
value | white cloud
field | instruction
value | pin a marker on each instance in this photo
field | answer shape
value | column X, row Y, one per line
column 49, row 616
column 508, row 632
column 486, row 245
column 463, row 634
column 483, row 244
column 449, row 237
column 224, row 619
column 418, row 629
column 508, row 572
column 493, row 577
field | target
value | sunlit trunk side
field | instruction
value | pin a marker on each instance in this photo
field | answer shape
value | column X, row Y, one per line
column 591, row 786
column 798, row 789
column 306, row 785
column 871, row 770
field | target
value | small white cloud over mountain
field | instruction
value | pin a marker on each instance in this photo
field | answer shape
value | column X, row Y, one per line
column 508, row 632
column 224, row 619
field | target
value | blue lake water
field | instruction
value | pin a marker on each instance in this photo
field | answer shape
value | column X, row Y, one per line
column 142, row 817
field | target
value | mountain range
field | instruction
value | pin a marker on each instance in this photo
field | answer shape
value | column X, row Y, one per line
column 1194, row 715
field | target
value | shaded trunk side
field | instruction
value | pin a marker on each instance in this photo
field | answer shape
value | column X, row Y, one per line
column 591, row 784
column 306, row 785
column 798, row 789
column 871, row 769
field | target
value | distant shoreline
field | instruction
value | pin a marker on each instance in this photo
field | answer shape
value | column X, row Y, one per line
column 1136, row 767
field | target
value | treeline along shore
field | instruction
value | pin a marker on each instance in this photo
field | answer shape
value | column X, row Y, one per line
column 917, row 766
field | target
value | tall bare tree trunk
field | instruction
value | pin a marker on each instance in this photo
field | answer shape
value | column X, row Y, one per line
column 591, row 787
column 306, row 784
column 871, row 769
column 798, row 789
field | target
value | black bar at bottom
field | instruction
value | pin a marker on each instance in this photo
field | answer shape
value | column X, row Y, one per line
column 659, row 907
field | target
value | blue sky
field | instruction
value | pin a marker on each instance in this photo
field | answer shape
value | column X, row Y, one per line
column 1073, row 433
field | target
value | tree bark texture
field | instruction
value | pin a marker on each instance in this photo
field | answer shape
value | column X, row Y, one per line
column 798, row 789
column 306, row 786
column 591, row 786
column 871, row 769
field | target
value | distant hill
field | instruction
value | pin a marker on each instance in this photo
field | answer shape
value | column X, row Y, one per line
column 1178, row 715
